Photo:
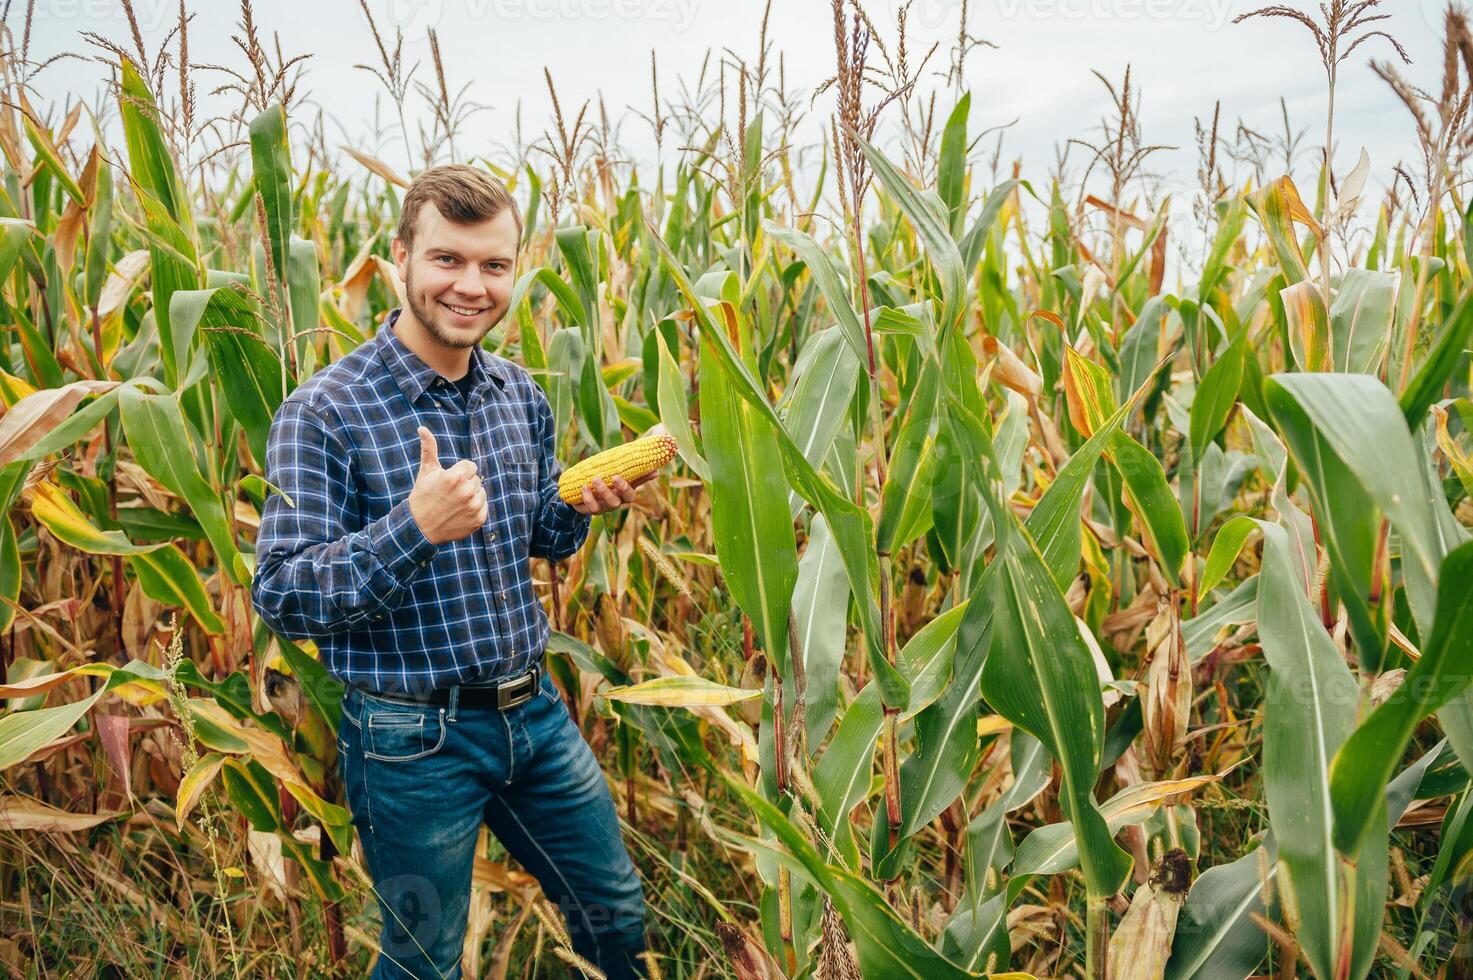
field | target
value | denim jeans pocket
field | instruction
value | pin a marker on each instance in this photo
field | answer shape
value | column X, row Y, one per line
column 547, row 689
column 401, row 733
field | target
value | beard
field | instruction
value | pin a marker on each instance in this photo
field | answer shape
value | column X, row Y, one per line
column 430, row 321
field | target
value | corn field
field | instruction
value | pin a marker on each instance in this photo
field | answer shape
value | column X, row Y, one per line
column 1033, row 591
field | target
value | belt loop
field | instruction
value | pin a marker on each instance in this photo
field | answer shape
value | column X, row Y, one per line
column 454, row 701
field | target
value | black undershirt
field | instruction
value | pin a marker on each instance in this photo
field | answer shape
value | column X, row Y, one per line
column 466, row 382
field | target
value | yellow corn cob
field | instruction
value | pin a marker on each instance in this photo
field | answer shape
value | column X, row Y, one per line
column 631, row 461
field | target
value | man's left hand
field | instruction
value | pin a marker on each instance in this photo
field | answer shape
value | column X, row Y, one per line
column 600, row 498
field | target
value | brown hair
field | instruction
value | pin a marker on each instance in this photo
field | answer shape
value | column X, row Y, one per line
column 463, row 195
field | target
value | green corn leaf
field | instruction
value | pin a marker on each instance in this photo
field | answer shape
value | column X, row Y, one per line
column 1438, row 364
column 1309, row 711
column 828, row 279
column 887, row 947
column 169, row 577
column 159, row 437
column 1216, row 396
column 1225, row 550
column 816, row 404
column 951, row 166
column 151, row 165
column 1153, row 504
column 820, row 611
column 1361, row 320
column 750, row 522
column 906, row 477
column 1364, row 764
column 1351, row 443
column 250, row 377
column 675, row 410
column 851, row 525
column 1041, row 677
column 941, row 247
column 271, row 175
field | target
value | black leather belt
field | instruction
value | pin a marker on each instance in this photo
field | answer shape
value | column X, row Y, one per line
column 500, row 695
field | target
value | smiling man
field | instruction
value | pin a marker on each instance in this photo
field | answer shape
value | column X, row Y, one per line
column 418, row 476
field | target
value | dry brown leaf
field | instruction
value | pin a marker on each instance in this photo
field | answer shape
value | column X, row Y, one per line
column 378, row 166
column 120, row 282
column 390, row 275
column 113, row 731
column 1141, row 945
column 265, row 851
column 1010, row 371
column 357, row 278
column 64, row 238
column 748, row 960
column 1168, row 700
column 133, row 477
column 24, row 813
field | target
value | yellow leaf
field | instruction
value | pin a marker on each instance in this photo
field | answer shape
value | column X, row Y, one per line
column 53, row 508
column 993, row 725
column 194, row 783
column 1087, row 392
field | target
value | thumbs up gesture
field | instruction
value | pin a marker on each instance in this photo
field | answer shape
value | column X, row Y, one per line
column 447, row 504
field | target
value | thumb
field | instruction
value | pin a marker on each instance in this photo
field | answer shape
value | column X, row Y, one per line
column 429, row 453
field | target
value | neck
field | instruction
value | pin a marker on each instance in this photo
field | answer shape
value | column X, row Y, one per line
column 451, row 362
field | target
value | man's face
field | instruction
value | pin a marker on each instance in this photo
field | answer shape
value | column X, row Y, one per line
column 458, row 278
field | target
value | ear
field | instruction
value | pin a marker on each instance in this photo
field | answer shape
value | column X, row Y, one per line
column 400, row 251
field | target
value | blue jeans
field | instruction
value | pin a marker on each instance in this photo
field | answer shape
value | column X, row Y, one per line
column 421, row 780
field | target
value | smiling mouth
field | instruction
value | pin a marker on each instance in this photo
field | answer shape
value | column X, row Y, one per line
column 463, row 310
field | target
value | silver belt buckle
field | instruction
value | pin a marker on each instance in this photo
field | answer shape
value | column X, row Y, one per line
column 513, row 693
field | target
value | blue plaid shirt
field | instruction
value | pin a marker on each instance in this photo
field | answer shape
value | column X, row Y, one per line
column 348, row 567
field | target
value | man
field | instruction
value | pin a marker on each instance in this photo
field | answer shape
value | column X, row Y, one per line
column 418, row 476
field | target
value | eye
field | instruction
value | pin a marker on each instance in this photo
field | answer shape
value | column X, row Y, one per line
column 444, row 258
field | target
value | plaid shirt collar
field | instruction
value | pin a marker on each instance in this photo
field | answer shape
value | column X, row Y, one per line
column 414, row 376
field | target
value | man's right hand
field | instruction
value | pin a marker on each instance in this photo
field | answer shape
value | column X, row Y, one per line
column 447, row 504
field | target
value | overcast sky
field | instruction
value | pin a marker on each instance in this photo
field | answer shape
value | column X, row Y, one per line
column 1185, row 54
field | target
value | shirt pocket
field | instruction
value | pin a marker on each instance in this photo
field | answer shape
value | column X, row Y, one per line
column 517, row 466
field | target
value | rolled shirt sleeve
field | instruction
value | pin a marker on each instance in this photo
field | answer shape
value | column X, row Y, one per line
column 559, row 530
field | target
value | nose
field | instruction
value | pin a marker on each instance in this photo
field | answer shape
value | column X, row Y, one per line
column 469, row 283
